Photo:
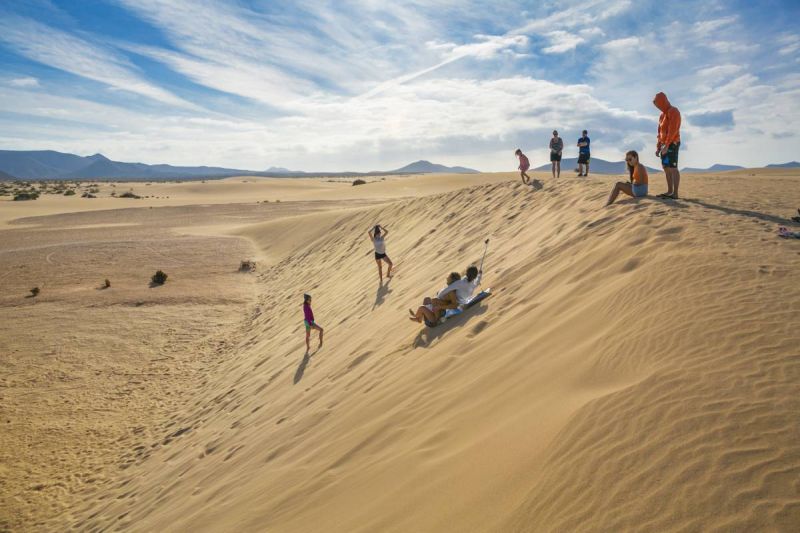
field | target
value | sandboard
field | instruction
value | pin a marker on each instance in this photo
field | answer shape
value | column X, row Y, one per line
column 475, row 299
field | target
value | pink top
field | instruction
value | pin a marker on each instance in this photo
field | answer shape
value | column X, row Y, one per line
column 524, row 164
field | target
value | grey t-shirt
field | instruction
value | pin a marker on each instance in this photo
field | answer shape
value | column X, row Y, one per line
column 556, row 145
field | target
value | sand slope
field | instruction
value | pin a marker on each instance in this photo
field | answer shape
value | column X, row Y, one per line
column 637, row 368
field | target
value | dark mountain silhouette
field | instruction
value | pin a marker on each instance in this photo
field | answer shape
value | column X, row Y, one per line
column 713, row 168
column 426, row 167
column 5, row 176
column 48, row 164
column 596, row 166
column 790, row 164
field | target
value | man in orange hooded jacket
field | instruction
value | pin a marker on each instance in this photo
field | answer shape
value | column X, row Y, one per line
column 669, row 142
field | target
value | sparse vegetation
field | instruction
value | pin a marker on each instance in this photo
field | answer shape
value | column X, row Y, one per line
column 159, row 278
column 107, row 284
column 26, row 195
column 359, row 182
column 35, row 292
column 88, row 195
column 247, row 266
column 69, row 192
column 129, row 194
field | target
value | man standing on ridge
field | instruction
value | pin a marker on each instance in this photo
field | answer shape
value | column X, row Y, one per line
column 584, row 154
column 556, row 146
column 668, row 144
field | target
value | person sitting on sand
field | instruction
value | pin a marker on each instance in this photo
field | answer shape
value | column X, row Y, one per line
column 637, row 186
column 432, row 309
column 378, row 235
column 308, row 320
column 524, row 165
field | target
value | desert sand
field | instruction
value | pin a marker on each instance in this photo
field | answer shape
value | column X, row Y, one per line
column 637, row 367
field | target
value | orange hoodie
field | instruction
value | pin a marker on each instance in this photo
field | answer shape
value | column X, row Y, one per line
column 669, row 123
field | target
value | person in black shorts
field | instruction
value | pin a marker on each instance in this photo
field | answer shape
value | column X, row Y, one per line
column 556, row 146
column 584, row 154
column 378, row 235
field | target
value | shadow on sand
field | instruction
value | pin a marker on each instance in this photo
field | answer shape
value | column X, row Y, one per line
column 301, row 369
column 381, row 294
column 739, row 212
column 427, row 335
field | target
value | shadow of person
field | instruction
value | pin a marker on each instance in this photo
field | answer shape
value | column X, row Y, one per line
column 427, row 335
column 537, row 185
column 301, row 369
column 381, row 293
column 739, row 212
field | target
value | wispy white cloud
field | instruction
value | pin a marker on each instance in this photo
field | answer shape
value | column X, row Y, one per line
column 27, row 81
column 58, row 49
column 789, row 44
column 562, row 41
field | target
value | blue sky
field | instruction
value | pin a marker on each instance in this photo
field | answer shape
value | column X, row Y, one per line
column 366, row 84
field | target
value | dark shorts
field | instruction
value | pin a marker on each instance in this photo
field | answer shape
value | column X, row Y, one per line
column 583, row 159
column 555, row 157
column 308, row 324
column 378, row 256
column 670, row 159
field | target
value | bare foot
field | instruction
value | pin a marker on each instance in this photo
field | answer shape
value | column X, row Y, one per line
column 414, row 319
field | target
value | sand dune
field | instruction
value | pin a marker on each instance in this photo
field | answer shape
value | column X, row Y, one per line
column 636, row 368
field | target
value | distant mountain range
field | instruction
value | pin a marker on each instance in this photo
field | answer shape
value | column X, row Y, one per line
column 596, row 166
column 713, row 168
column 426, row 167
column 48, row 164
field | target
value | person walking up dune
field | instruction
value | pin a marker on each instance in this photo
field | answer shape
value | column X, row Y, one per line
column 637, row 186
column 556, row 147
column 668, row 143
column 524, row 165
column 378, row 237
column 308, row 321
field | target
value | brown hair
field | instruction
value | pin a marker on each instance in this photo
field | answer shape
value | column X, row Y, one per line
column 630, row 168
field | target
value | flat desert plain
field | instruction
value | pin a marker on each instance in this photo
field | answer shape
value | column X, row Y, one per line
column 636, row 369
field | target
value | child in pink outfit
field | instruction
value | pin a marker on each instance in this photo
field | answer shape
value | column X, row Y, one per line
column 524, row 165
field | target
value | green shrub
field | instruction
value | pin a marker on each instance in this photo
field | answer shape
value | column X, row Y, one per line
column 35, row 292
column 129, row 194
column 26, row 195
column 359, row 182
column 69, row 192
column 159, row 278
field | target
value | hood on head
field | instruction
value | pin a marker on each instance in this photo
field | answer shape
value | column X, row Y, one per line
column 661, row 102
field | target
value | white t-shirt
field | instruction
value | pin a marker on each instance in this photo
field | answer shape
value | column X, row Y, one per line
column 463, row 287
column 380, row 245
